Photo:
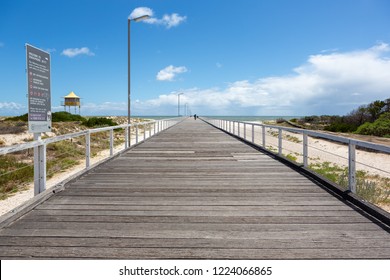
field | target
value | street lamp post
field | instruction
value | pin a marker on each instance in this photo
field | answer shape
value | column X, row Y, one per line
column 136, row 19
column 178, row 104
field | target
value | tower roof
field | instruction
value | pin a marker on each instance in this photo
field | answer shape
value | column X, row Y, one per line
column 72, row 95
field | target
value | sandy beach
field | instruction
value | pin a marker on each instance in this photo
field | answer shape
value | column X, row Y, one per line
column 322, row 150
column 20, row 197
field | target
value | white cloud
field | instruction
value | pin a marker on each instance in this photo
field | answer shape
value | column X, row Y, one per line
column 77, row 51
column 141, row 11
column 167, row 20
column 11, row 106
column 12, row 109
column 170, row 72
column 172, row 20
column 328, row 83
column 333, row 83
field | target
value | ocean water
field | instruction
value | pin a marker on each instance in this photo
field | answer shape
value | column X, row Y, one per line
column 154, row 117
column 253, row 118
column 230, row 118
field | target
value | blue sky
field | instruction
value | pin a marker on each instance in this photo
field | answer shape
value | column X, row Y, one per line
column 228, row 57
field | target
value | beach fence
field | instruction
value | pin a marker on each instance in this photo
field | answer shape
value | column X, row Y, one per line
column 75, row 152
column 360, row 167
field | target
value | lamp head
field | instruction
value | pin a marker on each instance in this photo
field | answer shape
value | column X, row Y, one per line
column 137, row 19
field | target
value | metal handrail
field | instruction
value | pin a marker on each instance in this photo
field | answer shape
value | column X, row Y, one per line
column 41, row 144
column 230, row 127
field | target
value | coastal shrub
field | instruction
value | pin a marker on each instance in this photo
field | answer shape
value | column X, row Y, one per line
column 341, row 127
column 66, row 117
column 366, row 116
column 56, row 117
column 98, row 122
column 23, row 118
column 381, row 127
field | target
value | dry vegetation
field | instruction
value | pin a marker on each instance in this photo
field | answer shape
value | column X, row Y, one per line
column 16, row 169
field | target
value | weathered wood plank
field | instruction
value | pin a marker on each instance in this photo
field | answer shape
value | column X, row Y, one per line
column 55, row 206
column 198, row 200
column 70, row 232
column 191, row 253
column 99, row 242
column 39, row 217
column 194, row 192
column 216, row 213
column 197, row 227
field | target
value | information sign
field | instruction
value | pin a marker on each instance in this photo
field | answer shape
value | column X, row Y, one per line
column 39, row 93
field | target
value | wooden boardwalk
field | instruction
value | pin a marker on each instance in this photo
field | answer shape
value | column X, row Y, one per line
column 194, row 192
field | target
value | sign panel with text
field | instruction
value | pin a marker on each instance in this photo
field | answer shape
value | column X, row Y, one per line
column 39, row 93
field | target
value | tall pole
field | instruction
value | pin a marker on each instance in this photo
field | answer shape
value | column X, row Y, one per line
column 137, row 19
column 128, row 80
column 178, row 104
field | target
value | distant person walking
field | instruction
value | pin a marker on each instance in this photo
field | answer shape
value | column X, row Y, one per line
column 195, row 117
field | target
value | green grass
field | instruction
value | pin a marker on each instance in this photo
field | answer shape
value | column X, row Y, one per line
column 17, row 171
column 13, row 175
column 287, row 137
column 372, row 188
column 292, row 157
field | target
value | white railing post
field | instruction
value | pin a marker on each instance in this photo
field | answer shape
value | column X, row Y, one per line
column 230, row 126
column 352, row 167
column 136, row 133
column 111, row 142
column 280, row 142
column 253, row 133
column 126, row 137
column 39, row 166
column 305, row 150
column 144, row 132
column 88, row 149
column 263, row 135
column 238, row 129
column 154, row 128
column 234, row 128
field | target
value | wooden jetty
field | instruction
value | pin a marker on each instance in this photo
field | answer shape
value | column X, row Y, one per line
column 194, row 192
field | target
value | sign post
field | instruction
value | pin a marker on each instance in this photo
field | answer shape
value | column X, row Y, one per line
column 39, row 108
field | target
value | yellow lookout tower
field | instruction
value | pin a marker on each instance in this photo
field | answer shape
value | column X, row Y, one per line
column 71, row 100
